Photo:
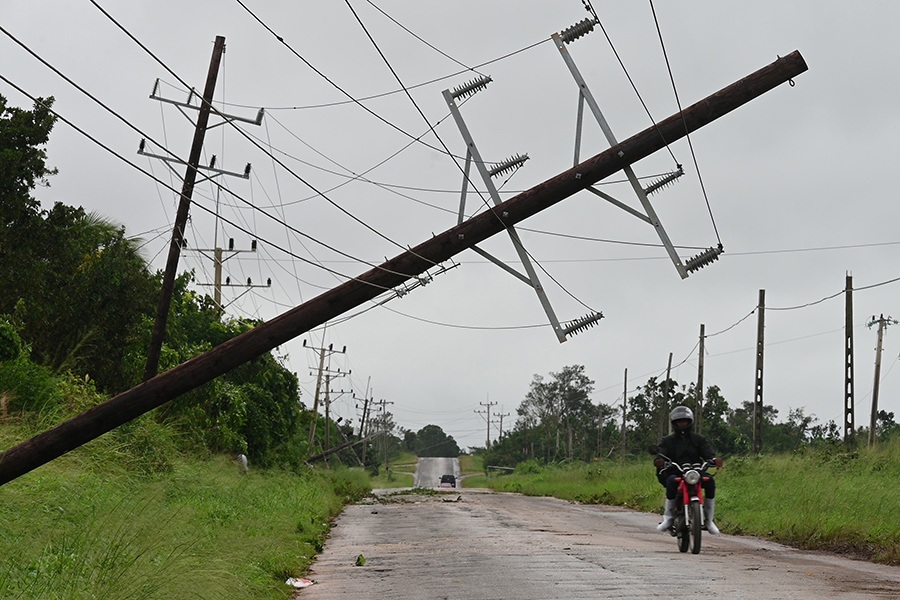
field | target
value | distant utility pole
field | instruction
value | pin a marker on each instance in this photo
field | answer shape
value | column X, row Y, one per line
column 382, row 409
column 219, row 257
column 663, row 407
column 882, row 323
column 365, row 411
column 487, row 412
column 501, row 423
column 758, row 386
column 700, row 378
column 849, row 418
column 319, row 373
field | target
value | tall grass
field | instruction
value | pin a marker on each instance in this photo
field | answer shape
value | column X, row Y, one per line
column 825, row 499
column 74, row 529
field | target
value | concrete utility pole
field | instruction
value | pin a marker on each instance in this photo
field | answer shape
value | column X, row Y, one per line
column 882, row 323
column 624, row 412
column 201, row 369
column 501, row 424
column 219, row 257
column 849, row 418
column 181, row 216
column 758, row 385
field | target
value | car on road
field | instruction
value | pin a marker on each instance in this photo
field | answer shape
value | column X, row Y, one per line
column 448, row 481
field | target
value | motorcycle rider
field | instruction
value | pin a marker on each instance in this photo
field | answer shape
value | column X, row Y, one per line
column 685, row 446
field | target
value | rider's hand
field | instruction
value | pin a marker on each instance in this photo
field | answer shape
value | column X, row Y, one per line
column 659, row 463
column 718, row 462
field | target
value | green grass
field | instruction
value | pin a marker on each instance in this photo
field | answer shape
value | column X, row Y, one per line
column 824, row 500
column 203, row 530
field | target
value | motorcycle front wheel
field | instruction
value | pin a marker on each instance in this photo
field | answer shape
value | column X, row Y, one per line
column 682, row 533
column 696, row 527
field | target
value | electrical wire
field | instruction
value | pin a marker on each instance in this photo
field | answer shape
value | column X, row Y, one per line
column 687, row 133
column 252, row 141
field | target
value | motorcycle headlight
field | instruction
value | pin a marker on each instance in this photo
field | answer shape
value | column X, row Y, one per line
column 692, row 477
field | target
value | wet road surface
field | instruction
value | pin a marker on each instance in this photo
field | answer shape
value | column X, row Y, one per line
column 481, row 545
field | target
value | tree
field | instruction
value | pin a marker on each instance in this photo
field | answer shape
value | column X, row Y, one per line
column 432, row 441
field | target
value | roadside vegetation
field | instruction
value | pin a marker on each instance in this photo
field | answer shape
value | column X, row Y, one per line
column 814, row 498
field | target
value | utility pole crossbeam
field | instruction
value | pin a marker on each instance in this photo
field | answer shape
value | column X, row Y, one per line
column 649, row 215
column 44, row 447
column 487, row 175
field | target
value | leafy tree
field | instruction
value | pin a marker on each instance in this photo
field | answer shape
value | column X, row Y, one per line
column 432, row 441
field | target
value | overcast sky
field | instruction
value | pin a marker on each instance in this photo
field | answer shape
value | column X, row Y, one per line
column 798, row 185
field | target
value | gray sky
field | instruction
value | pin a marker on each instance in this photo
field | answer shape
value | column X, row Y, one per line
column 798, row 183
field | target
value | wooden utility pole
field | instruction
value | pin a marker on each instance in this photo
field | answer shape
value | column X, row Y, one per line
column 758, row 385
column 181, row 216
column 873, row 422
column 487, row 413
column 700, row 353
column 44, row 447
column 849, row 419
column 663, row 407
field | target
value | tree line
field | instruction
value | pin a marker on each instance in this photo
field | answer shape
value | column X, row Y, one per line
column 557, row 421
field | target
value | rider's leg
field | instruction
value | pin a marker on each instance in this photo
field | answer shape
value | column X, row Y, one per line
column 669, row 513
column 709, row 505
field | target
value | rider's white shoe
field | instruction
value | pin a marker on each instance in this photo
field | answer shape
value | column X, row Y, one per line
column 709, row 509
column 668, row 516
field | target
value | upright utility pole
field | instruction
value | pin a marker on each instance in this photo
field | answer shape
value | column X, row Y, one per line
column 849, row 418
column 882, row 323
column 663, row 407
column 319, row 374
column 700, row 354
column 187, row 192
column 624, row 412
column 201, row 369
column 758, row 385
column 487, row 412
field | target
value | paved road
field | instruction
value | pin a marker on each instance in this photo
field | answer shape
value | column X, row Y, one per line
column 429, row 471
column 480, row 545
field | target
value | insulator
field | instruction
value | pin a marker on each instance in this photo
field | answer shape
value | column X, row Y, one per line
column 580, row 324
column 704, row 258
column 577, row 30
column 508, row 165
column 467, row 89
column 231, row 243
column 212, row 162
column 664, row 181
column 247, row 171
column 142, row 145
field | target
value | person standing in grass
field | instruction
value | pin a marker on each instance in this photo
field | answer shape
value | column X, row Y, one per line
column 684, row 446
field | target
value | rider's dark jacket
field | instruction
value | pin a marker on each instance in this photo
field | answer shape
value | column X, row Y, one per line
column 686, row 447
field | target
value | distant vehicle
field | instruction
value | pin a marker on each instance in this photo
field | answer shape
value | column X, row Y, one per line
column 448, row 481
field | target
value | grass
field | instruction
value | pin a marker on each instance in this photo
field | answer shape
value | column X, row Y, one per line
column 823, row 500
column 203, row 530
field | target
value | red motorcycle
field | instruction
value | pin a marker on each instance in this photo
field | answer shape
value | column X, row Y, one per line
column 689, row 521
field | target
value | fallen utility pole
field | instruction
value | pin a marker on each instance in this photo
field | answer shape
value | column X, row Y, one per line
column 43, row 448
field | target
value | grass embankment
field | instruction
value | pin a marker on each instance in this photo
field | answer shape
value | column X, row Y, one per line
column 818, row 500
column 84, row 527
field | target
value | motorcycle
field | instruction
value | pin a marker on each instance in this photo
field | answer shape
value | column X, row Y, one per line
column 689, row 521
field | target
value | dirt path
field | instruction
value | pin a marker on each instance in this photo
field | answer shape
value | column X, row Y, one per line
column 476, row 544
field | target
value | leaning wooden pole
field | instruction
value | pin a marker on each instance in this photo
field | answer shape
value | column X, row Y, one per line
column 155, row 392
